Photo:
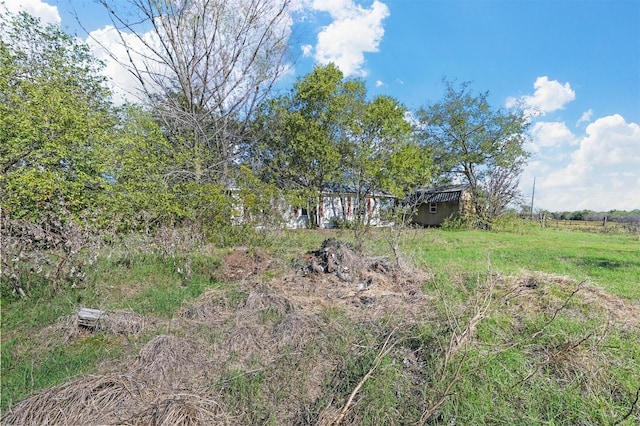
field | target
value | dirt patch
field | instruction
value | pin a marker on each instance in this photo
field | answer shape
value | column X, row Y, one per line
column 243, row 263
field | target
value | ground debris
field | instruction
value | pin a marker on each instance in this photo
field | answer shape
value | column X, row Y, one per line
column 340, row 259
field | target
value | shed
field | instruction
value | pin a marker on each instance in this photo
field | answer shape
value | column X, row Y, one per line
column 434, row 205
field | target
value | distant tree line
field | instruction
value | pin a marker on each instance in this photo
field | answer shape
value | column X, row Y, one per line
column 620, row 216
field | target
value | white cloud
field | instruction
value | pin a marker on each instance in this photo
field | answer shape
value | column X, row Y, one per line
column 47, row 13
column 548, row 96
column 142, row 51
column 107, row 45
column 379, row 83
column 610, row 141
column 602, row 173
column 585, row 117
column 552, row 134
column 354, row 31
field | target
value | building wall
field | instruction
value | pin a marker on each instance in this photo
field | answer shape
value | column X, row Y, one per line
column 336, row 208
column 444, row 210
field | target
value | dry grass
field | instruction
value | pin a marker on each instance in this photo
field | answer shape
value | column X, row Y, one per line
column 89, row 400
column 272, row 355
column 532, row 293
column 278, row 317
column 151, row 392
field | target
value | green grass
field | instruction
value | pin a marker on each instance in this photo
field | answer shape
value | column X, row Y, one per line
column 27, row 367
column 142, row 283
column 547, row 358
column 611, row 261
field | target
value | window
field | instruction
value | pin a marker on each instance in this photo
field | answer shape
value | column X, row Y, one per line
column 433, row 207
column 299, row 211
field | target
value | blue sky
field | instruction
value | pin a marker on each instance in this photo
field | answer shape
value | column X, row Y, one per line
column 575, row 64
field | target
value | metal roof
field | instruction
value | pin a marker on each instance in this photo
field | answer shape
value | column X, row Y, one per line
column 443, row 195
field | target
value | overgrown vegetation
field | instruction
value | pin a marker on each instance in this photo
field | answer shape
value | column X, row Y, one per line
column 485, row 329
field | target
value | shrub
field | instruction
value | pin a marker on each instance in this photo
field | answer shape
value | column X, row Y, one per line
column 52, row 250
column 455, row 223
column 511, row 222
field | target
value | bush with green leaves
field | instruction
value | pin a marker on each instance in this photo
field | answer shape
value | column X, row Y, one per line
column 55, row 122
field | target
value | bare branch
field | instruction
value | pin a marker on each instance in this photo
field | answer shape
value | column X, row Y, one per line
column 204, row 65
column 384, row 351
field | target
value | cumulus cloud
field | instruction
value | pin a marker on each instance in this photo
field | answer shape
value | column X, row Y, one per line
column 141, row 58
column 549, row 138
column 379, row 83
column 354, row 31
column 610, row 141
column 552, row 134
column 603, row 171
column 307, row 49
column 47, row 13
column 107, row 45
column 548, row 96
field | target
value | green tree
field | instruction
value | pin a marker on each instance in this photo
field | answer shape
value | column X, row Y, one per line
column 302, row 135
column 55, row 118
column 204, row 66
column 326, row 132
column 55, row 122
column 147, row 191
column 139, row 194
column 381, row 156
column 476, row 145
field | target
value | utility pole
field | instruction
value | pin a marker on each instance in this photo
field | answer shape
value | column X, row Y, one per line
column 533, row 193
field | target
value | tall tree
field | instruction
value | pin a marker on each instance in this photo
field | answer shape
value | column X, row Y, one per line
column 325, row 131
column 55, row 117
column 302, row 135
column 204, row 65
column 138, row 195
column 476, row 145
column 381, row 156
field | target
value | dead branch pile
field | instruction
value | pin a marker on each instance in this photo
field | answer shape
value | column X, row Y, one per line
column 338, row 258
